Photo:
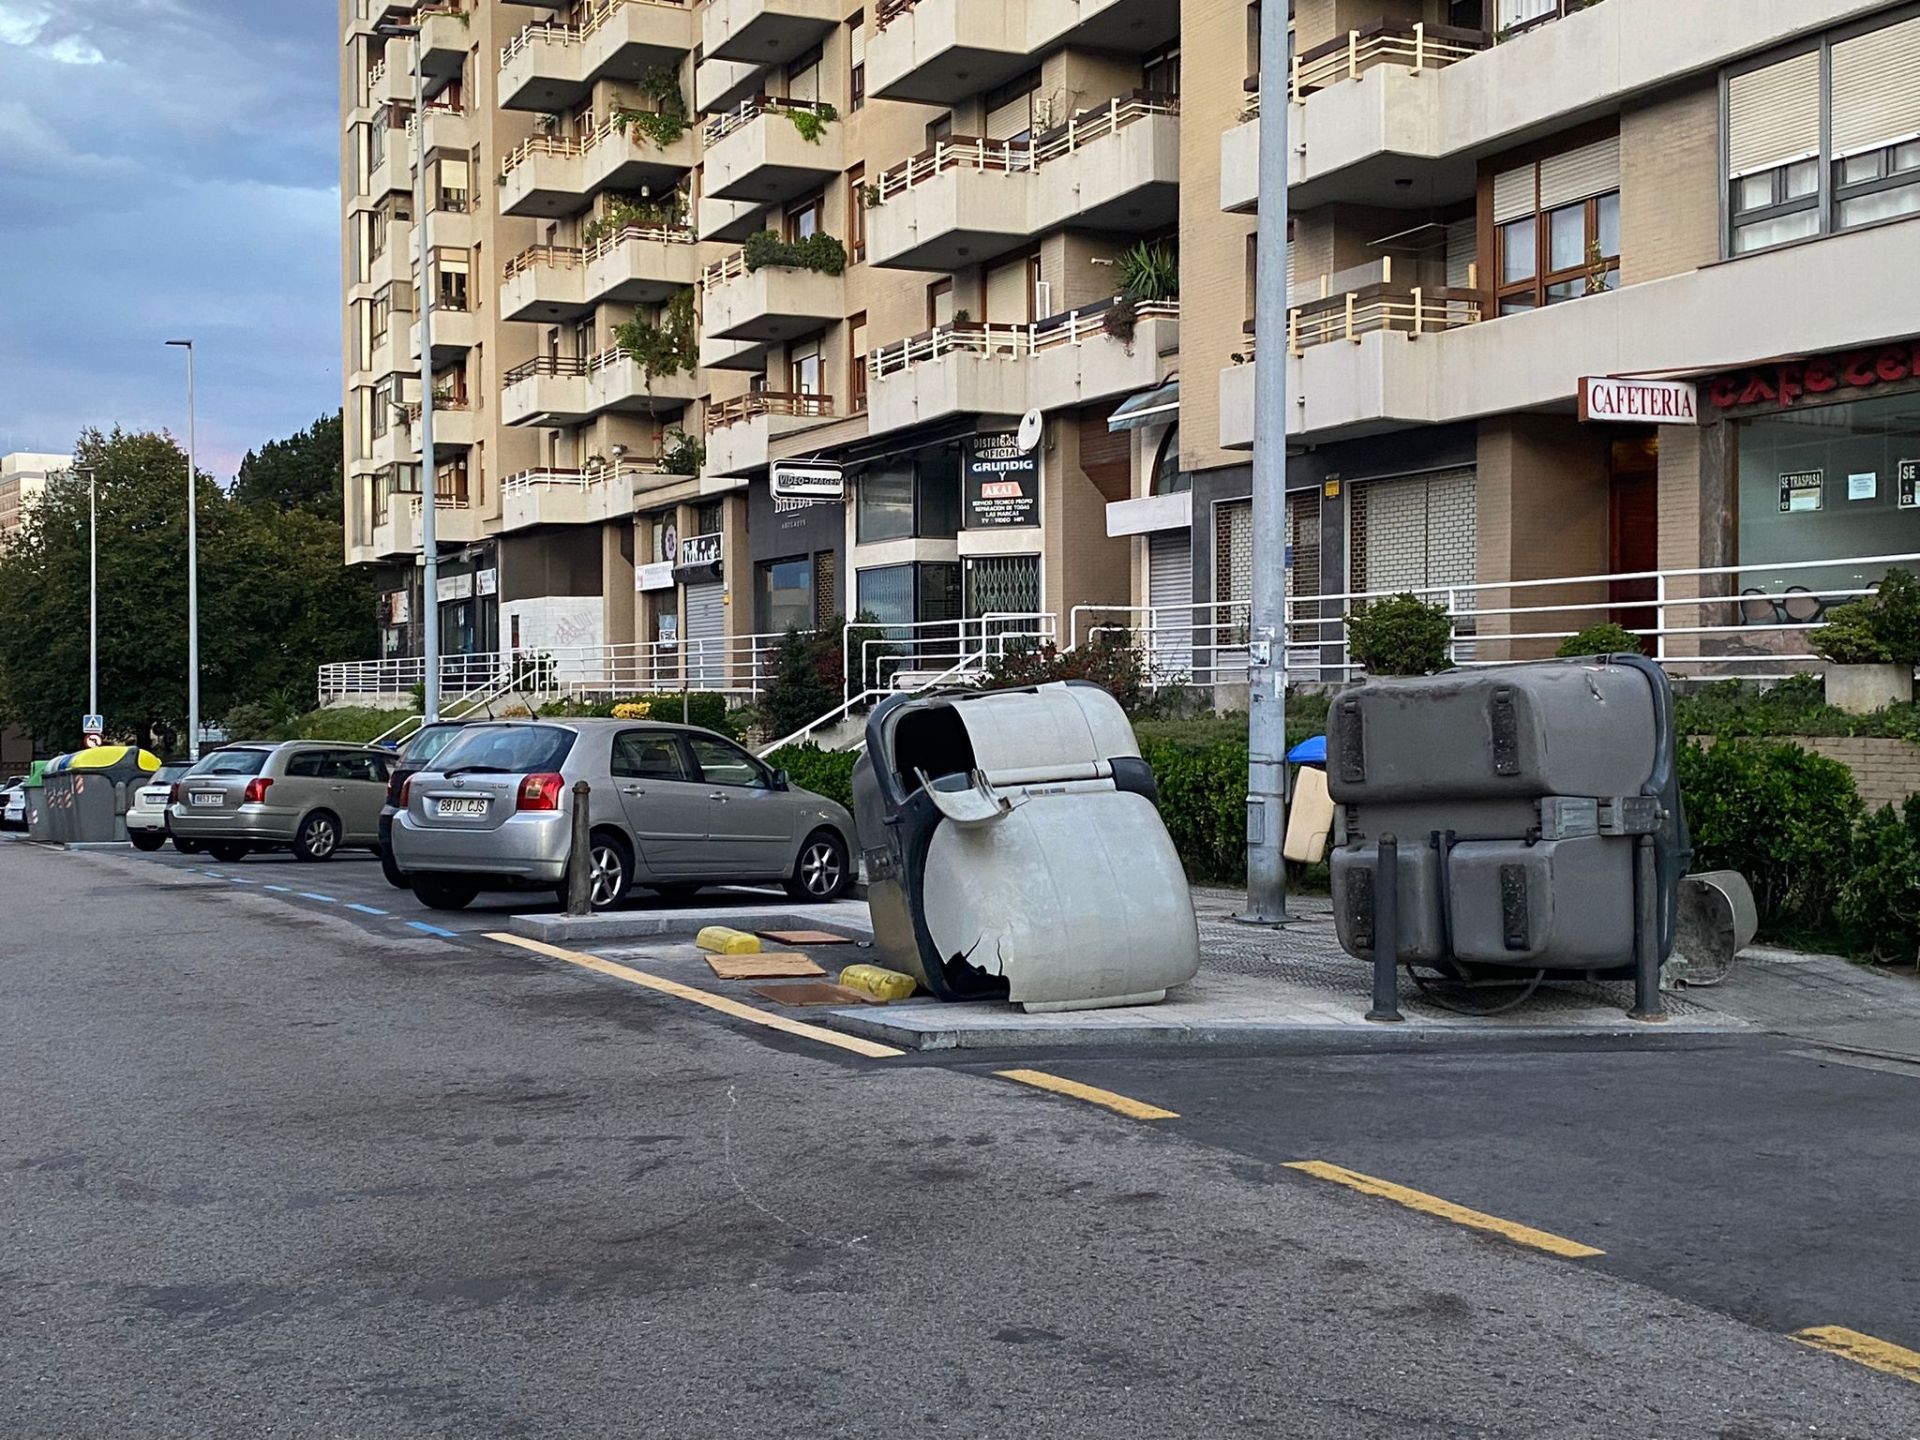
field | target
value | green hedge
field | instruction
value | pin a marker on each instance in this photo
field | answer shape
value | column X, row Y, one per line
column 1793, row 707
column 703, row 708
column 825, row 772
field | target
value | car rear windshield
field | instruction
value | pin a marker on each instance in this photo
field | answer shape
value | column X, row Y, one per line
column 429, row 743
column 167, row 774
column 231, row 762
column 506, row 749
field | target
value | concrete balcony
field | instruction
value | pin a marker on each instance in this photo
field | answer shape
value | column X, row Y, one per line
column 942, row 52
column 553, row 67
column 616, row 385
column 541, row 177
column 740, row 430
column 536, row 499
column 1361, row 129
column 446, row 38
column 965, row 201
column 392, row 268
column 389, row 84
column 627, row 159
column 453, row 224
column 727, row 222
column 756, row 152
column 747, row 356
column 455, row 332
column 449, row 131
column 723, row 84
column 775, row 302
column 765, row 32
column 545, row 283
column 1240, row 166
column 1844, row 291
column 547, row 390
column 454, row 427
column 1054, row 364
column 396, row 534
column 641, row 265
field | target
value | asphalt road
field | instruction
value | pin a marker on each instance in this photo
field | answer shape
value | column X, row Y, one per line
column 277, row 1168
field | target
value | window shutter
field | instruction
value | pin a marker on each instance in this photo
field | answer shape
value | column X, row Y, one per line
column 857, row 44
column 1007, row 295
column 1580, row 174
column 1513, row 195
column 1011, row 119
column 1773, row 115
column 1462, row 250
column 1876, row 95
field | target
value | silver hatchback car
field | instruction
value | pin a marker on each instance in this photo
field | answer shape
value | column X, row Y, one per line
column 673, row 808
column 313, row 797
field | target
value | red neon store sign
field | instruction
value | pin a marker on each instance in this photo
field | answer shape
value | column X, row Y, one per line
column 1788, row 382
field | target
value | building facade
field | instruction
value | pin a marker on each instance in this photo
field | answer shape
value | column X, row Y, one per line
column 672, row 244
column 23, row 480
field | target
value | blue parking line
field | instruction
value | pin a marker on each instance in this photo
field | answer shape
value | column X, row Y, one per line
column 323, row 899
column 366, row 909
column 236, row 880
column 433, row 929
column 283, row 889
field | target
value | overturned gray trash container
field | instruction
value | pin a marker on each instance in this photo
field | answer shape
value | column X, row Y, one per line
column 1527, row 818
column 1014, row 849
column 1718, row 919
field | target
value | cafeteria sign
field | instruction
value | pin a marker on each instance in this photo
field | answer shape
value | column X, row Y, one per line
column 1801, row 491
column 1002, row 483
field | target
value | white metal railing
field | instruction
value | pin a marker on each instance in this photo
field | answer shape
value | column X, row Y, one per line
column 1008, row 342
column 885, row 652
column 534, row 145
column 731, row 267
column 1024, row 155
column 1710, row 620
column 593, row 477
column 1418, row 47
column 667, row 234
column 591, row 16
column 748, row 111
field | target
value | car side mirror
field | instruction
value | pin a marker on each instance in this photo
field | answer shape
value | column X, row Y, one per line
column 782, row 780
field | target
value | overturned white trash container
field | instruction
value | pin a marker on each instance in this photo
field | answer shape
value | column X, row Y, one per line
column 1014, row 849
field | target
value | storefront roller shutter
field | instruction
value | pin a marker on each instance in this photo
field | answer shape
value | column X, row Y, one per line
column 1513, row 195
column 1876, row 89
column 1580, row 174
column 707, row 633
column 1415, row 532
column 1170, row 594
column 1773, row 115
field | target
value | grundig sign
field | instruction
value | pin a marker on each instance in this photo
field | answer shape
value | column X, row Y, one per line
column 1638, row 402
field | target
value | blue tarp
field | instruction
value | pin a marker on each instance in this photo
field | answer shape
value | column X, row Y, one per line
column 1311, row 751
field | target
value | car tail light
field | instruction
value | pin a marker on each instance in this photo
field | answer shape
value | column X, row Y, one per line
column 173, row 793
column 541, row 792
column 256, row 792
column 406, row 792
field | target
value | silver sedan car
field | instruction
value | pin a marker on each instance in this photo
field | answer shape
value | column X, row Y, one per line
column 313, row 797
column 672, row 807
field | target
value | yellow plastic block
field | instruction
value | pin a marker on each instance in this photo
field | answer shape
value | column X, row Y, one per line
column 880, row 983
column 719, row 940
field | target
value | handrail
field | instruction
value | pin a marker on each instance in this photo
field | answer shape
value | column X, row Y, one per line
column 546, row 365
column 1415, row 311
column 551, row 256
column 752, row 108
column 594, row 14
column 537, row 145
column 961, row 152
column 722, row 413
column 593, row 476
column 1008, row 341
column 1419, row 46
column 666, row 234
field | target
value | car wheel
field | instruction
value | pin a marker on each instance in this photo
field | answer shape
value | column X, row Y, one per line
column 188, row 847
column 318, row 837
column 147, row 840
column 442, row 894
column 823, row 871
column 611, row 874
column 396, row 877
column 229, row 852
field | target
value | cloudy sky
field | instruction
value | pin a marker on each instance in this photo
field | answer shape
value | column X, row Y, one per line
column 168, row 169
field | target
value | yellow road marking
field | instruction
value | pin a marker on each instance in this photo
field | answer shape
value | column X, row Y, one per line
column 1445, row 1209
column 1863, row 1349
column 721, row 1003
column 1092, row 1094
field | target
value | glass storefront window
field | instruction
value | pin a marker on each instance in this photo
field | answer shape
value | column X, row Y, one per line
column 1839, row 469
column 885, row 507
column 784, row 595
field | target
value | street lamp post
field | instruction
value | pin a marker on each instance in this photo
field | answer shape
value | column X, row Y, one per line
column 429, row 519
column 1267, row 654
column 193, row 570
column 93, row 587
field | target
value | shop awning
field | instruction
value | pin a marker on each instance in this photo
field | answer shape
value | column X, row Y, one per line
column 1149, row 407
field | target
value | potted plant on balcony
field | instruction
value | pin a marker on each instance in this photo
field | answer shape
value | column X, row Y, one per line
column 1872, row 645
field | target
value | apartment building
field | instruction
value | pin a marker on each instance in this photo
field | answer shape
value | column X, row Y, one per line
column 23, row 480
column 1590, row 289
column 1576, row 289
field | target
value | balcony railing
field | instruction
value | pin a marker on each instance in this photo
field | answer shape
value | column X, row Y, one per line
column 747, row 111
column 546, row 365
column 1020, row 156
column 1008, row 342
column 537, row 145
column 1385, row 42
column 767, row 402
column 888, row 11
column 1383, row 306
column 555, row 257
column 666, row 234
column 591, row 16
column 459, row 403
column 720, row 272
column 593, row 477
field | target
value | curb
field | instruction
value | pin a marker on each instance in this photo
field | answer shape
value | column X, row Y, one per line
column 647, row 925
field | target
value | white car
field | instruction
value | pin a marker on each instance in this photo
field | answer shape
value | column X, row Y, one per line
column 147, row 815
column 13, row 803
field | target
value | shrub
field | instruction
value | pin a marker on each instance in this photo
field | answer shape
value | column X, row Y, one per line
column 1149, row 272
column 1851, row 636
column 1879, row 907
column 663, row 349
column 806, row 682
column 1121, row 319
column 703, row 708
column 825, row 772
column 1608, row 639
column 1203, row 800
column 1897, row 615
column 817, row 252
column 1796, row 706
column 1400, row 636
column 1783, row 817
column 1879, row 629
column 1111, row 663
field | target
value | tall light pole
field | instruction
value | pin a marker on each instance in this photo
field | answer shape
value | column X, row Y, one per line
column 429, row 520
column 1267, row 652
column 193, row 570
column 93, row 587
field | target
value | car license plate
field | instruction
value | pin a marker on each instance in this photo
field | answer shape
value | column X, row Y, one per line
column 473, row 806
column 206, row 798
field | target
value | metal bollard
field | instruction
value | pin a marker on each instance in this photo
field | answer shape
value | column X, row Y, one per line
column 1648, row 1004
column 1386, row 935
column 580, row 858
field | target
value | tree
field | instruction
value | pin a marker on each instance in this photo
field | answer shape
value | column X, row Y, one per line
column 275, row 602
column 302, row 472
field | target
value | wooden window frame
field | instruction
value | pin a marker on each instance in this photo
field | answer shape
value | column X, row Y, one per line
column 1535, row 287
column 856, row 215
column 856, row 364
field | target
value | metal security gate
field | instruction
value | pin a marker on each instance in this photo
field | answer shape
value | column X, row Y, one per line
column 1170, row 596
column 1418, row 533
column 707, row 635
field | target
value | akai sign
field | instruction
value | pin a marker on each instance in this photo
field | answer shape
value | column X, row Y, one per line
column 1639, row 402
